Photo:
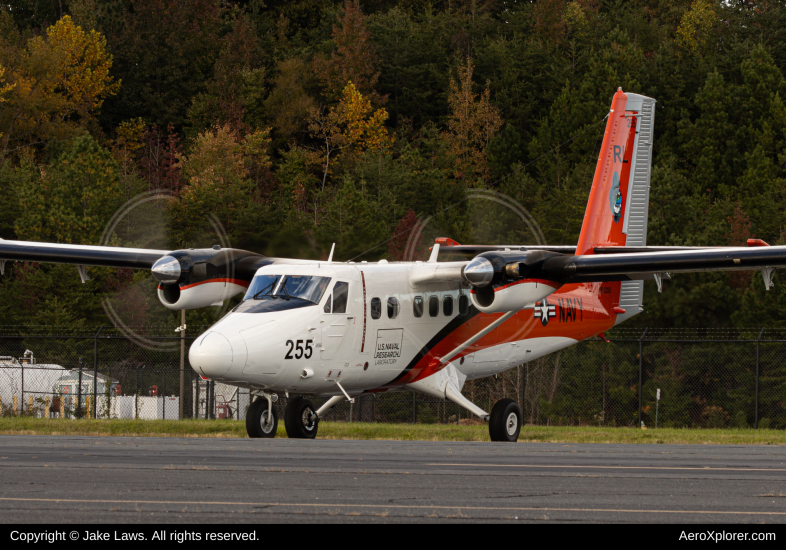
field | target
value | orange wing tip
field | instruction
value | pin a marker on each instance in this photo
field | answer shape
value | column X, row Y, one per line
column 446, row 241
column 618, row 310
column 756, row 242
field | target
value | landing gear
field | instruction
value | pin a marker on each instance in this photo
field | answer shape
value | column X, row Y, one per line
column 505, row 421
column 261, row 419
column 298, row 419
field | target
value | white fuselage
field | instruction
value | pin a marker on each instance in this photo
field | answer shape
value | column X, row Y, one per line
column 378, row 342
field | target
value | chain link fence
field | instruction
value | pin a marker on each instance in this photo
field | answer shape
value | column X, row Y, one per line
column 707, row 379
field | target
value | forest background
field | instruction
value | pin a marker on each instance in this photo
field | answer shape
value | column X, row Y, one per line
column 296, row 124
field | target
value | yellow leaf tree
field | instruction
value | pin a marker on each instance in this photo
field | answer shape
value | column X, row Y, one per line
column 4, row 88
column 696, row 25
column 352, row 126
column 58, row 81
column 472, row 123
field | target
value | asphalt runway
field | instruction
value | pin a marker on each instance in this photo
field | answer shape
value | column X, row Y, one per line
column 73, row 479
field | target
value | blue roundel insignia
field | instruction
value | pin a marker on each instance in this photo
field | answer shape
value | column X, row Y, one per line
column 615, row 198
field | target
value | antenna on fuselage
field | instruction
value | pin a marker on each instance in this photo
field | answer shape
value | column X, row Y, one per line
column 434, row 253
column 332, row 248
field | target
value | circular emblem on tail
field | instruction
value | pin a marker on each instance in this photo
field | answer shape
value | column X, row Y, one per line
column 615, row 198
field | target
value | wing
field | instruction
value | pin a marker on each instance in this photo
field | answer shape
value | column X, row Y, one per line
column 601, row 267
column 107, row 256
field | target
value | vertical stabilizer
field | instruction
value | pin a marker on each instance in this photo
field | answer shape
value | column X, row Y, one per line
column 618, row 204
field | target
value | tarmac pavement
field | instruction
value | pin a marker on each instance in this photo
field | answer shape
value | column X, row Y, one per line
column 76, row 479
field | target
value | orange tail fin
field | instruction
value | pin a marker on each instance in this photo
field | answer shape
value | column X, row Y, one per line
column 608, row 199
column 619, row 200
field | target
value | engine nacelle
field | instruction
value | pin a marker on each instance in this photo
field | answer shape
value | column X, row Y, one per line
column 194, row 278
column 208, row 293
column 517, row 282
column 512, row 297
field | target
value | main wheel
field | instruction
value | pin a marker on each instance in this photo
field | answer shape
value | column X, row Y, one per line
column 505, row 421
column 297, row 419
column 257, row 423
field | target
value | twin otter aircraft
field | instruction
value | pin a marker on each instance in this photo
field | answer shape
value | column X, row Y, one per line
column 338, row 330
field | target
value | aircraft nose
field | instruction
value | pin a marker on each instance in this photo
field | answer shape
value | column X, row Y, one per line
column 211, row 356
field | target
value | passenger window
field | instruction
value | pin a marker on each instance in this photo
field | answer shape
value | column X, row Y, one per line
column 417, row 306
column 376, row 308
column 463, row 305
column 327, row 304
column 392, row 308
column 447, row 306
column 433, row 306
column 340, row 296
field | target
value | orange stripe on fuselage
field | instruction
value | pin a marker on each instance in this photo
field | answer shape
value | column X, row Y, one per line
column 238, row 282
column 582, row 311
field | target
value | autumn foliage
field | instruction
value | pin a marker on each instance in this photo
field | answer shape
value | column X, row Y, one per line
column 293, row 125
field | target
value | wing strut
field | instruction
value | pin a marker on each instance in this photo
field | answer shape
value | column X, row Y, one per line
column 446, row 358
column 766, row 273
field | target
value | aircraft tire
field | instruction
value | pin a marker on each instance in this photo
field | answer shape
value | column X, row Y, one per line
column 505, row 421
column 295, row 419
column 255, row 420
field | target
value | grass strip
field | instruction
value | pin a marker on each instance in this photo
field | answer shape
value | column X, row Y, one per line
column 397, row 432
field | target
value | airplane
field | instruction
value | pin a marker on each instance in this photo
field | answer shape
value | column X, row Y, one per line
column 338, row 330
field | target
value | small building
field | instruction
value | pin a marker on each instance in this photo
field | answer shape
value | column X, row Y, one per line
column 22, row 379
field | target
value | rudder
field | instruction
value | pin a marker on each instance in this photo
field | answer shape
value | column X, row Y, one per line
column 618, row 204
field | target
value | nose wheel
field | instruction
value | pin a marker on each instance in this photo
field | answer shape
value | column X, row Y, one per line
column 261, row 420
column 297, row 419
column 505, row 421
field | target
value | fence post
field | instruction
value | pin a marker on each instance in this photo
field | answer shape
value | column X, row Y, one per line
column 641, row 361
column 163, row 395
column 756, row 410
column 195, row 404
column 23, row 384
column 182, row 358
column 95, row 370
column 522, row 373
column 79, row 392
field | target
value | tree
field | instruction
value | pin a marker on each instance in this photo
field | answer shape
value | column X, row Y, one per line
column 71, row 200
column 397, row 247
column 58, row 79
column 224, row 101
column 693, row 34
column 505, row 149
column 4, row 88
column 218, row 174
column 472, row 123
column 351, row 124
column 289, row 104
column 353, row 59
column 165, row 52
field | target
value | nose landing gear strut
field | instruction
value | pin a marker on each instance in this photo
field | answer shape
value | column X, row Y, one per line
column 261, row 418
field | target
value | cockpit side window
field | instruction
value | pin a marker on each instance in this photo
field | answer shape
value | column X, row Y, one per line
column 340, row 297
column 328, row 303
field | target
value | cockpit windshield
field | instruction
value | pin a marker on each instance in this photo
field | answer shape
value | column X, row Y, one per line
column 304, row 287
